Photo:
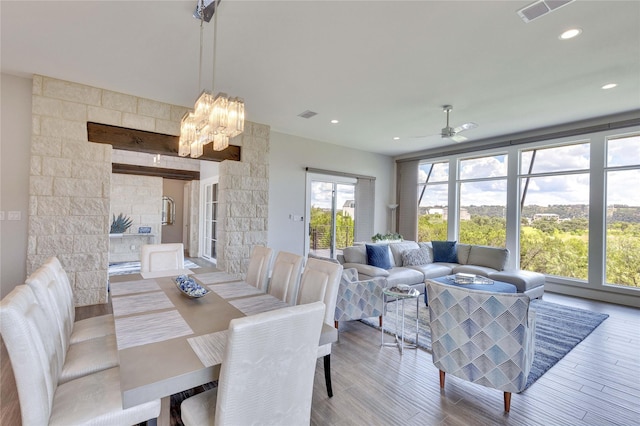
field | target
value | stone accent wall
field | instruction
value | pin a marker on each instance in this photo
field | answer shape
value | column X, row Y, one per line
column 70, row 182
column 140, row 199
column 244, row 199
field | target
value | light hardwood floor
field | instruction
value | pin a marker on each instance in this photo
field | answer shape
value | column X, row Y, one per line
column 597, row 383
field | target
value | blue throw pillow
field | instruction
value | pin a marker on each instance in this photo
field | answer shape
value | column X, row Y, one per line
column 445, row 251
column 378, row 255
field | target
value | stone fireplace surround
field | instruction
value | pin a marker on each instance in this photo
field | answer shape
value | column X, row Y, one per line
column 70, row 182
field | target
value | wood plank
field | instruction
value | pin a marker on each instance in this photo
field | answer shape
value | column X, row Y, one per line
column 131, row 169
column 151, row 142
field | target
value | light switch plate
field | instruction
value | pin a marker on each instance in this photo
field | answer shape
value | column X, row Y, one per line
column 14, row 215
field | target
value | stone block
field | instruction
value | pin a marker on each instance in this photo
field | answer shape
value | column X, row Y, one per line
column 41, row 185
column 258, row 224
column 254, row 238
column 85, row 169
column 32, row 244
column 69, row 91
column 69, row 187
column 154, row 109
column 260, row 197
column 55, row 166
column 255, row 156
column 46, row 106
column 33, row 205
column 119, row 101
column 67, row 129
column 36, row 88
column 46, row 146
column 81, row 225
column 262, row 211
column 42, row 225
column 90, row 297
column 35, row 261
column 53, row 245
column 242, row 210
column 89, row 243
column 140, row 122
column 239, row 196
column 35, row 124
column 168, row 127
column 260, row 171
column 83, row 206
column 89, row 280
column 261, row 130
column 104, row 115
column 80, row 150
column 35, row 165
column 74, row 111
column 235, row 168
column 234, row 238
column 54, row 206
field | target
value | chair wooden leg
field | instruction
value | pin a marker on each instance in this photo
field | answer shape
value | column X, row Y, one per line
column 507, row 401
column 380, row 320
column 327, row 374
column 335, row 323
column 442, row 378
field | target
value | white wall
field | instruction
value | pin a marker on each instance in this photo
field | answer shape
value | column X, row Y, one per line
column 15, row 146
column 289, row 156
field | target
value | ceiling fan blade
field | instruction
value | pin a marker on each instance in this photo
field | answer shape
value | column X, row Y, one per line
column 465, row 126
column 458, row 138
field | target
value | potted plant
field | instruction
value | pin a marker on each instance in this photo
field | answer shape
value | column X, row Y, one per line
column 390, row 237
column 120, row 224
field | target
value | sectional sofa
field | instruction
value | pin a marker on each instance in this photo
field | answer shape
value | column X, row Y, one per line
column 410, row 263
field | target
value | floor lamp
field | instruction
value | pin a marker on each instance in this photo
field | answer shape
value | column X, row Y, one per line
column 393, row 208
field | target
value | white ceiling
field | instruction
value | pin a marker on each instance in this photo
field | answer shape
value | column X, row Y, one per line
column 383, row 68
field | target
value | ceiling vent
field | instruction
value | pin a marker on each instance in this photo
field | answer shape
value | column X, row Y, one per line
column 541, row 8
column 307, row 114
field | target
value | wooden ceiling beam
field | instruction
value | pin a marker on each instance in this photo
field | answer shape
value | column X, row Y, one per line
column 130, row 169
column 151, row 142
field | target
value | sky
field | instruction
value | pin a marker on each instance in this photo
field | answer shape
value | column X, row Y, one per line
column 570, row 188
column 321, row 193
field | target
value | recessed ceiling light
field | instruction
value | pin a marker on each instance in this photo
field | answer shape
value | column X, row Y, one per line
column 396, row 138
column 573, row 32
column 334, row 121
column 609, row 86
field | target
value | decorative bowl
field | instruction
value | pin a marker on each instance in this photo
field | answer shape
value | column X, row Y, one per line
column 189, row 287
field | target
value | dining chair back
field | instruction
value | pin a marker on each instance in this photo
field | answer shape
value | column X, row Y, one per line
column 161, row 257
column 285, row 277
column 260, row 381
column 31, row 341
column 320, row 281
column 258, row 270
column 84, row 329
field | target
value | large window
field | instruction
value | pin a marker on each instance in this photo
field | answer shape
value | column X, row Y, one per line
column 554, row 210
column 483, row 200
column 433, row 201
column 623, row 211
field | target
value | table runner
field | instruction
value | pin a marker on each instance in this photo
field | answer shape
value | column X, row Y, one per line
column 126, row 305
column 258, row 304
column 150, row 328
column 131, row 287
column 168, row 273
column 216, row 277
column 234, row 289
column 209, row 347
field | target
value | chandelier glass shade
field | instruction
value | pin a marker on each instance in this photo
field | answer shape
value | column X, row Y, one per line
column 214, row 119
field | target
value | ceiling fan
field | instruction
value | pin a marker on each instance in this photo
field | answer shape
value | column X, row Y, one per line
column 452, row 132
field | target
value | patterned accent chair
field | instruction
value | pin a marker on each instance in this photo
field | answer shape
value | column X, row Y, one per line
column 358, row 299
column 483, row 337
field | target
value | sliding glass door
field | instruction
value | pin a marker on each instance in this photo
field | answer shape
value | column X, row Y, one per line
column 331, row 214
column 210, row 219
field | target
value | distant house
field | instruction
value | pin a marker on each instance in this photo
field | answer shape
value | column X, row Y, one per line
column 348, row 208
column 546, row 216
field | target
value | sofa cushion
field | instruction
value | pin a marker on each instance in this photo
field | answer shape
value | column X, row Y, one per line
column 473, row 269
column 491, row 257
column 355, row 254
column 416, row 257
column 408, row 276
column 445, row 251
column 463, row 253
column 367, row 271
column 378, row 255
column 398, row 248
column 434, row 270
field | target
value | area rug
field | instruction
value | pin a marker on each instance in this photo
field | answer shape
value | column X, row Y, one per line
column 123, row 268
column 559, row 329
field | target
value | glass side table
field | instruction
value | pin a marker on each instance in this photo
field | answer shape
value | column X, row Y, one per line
column 399, row 294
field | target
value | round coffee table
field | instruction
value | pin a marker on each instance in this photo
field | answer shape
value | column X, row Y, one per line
column 399, row 294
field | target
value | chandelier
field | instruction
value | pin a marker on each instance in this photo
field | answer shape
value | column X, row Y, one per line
column 214, row 119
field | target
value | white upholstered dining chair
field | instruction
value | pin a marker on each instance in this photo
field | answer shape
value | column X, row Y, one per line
column 162, row 257
column 285, row 277
column 258, row 270
column 267, row 371
column 92, row 399
column 320, row 282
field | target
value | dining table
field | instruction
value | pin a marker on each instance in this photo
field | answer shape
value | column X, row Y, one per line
column 169, row 342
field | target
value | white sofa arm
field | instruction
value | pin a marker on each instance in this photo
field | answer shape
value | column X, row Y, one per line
column 368, row 270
